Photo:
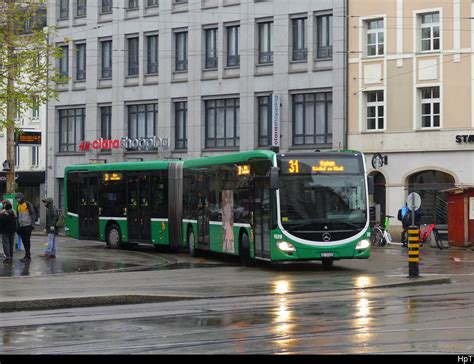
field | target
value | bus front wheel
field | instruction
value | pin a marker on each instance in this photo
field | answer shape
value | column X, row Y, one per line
column 114, row 240
column 327, row 263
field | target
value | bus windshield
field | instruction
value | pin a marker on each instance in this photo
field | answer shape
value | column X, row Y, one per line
column 319, row 194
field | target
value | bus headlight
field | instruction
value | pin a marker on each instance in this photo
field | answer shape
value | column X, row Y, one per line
column 363, row 244
column 286, row 247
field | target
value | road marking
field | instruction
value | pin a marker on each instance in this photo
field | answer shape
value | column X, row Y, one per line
column 457, row 260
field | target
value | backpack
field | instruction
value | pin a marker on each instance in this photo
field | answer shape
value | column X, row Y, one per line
column 61, row 219
column 406, row 220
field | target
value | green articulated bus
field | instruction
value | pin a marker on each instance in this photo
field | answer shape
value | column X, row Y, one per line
column 256, row 205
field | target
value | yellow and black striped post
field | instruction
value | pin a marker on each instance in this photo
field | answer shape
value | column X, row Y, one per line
column 413, row 251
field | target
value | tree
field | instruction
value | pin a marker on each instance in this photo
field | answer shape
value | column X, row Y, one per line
column 27, row 76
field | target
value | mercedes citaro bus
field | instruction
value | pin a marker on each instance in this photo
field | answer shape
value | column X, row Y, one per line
column 256, row 205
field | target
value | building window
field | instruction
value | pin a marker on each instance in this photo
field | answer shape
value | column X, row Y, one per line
column 324, row 36
column 312, row 118
column 81, row 8
column 180, row 114
column 430, row 107
column 35, row 156
column 300, row 52
column 60, row 193
column 80, row 62
column 265, row 54
column 106, row 7
column 106, row 122
column 71, row 129
column 142, row 120
column 106, row 55
column 133, row 61
column 233, row 57
column 264, row 120
column 150, row 3
column 375, row 110
column 35, row 108
column 63, row 9
column 430, row 36
column 181, row 52
column 64, row 61
column 222, row 123
column 375, row 37
column 152, row 54
column 211, row 48
column 17, row 156
column 132, row 4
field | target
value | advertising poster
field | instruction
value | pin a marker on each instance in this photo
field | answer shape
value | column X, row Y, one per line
column 228, row 221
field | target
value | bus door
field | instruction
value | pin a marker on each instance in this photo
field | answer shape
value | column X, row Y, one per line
column 144, row 204
column 138, row 207
column 88, row 187
column 203, row 210
column 261, row 217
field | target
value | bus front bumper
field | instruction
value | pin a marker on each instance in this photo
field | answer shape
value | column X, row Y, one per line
column 350, row 251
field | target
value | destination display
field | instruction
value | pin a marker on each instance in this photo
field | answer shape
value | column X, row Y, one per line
column 327, row 164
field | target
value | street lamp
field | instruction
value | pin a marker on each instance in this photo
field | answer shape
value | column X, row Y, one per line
column 6, row 166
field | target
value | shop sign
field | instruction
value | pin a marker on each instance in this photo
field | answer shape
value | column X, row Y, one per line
column 464, row 139
column 125, row 143
column 276, row 120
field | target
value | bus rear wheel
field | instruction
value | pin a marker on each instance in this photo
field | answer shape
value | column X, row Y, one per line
column 244, row 251
column 114, row 239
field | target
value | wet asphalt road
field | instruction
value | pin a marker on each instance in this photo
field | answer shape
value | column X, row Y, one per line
column 431, row 320
column 298, row 309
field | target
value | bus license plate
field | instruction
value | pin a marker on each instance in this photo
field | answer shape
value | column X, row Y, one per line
column 327, row 255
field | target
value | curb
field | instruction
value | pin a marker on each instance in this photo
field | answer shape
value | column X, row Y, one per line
column 88, row 301
column 95, row 301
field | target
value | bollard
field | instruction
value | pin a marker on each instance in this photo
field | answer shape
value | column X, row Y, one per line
column 413, row 251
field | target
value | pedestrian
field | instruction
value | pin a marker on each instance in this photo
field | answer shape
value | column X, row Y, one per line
column 52, row 217
column 405, row 216
column 7, row 230
column 26, row 218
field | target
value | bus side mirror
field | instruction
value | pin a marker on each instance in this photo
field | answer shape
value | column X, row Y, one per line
column 274, row 178
column 370, row 185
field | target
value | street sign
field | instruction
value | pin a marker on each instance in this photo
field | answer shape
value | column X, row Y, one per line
column 413, row 201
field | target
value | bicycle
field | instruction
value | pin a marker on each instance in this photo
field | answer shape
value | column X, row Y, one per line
column 380, row 235
column 428, row 231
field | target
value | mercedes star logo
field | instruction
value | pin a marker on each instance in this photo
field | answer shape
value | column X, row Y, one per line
column 326, row 237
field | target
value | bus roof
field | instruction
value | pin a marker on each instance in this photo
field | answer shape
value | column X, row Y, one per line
column 229, row 158
column 120, row 166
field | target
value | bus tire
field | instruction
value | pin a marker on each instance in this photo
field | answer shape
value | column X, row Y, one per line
column 244, row 250
column 192, row 250
column 114, row 237
column 327, row 263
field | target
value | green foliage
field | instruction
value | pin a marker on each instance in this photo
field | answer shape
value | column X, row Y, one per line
column 26, row 57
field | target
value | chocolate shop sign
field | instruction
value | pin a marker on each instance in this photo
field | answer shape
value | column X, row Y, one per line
column 125, row 143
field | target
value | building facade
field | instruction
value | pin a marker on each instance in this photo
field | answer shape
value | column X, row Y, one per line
column 411, row 101
column 153, row 79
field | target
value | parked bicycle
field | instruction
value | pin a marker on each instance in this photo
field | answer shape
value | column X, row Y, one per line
column 380, row 235
column 428, row 231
